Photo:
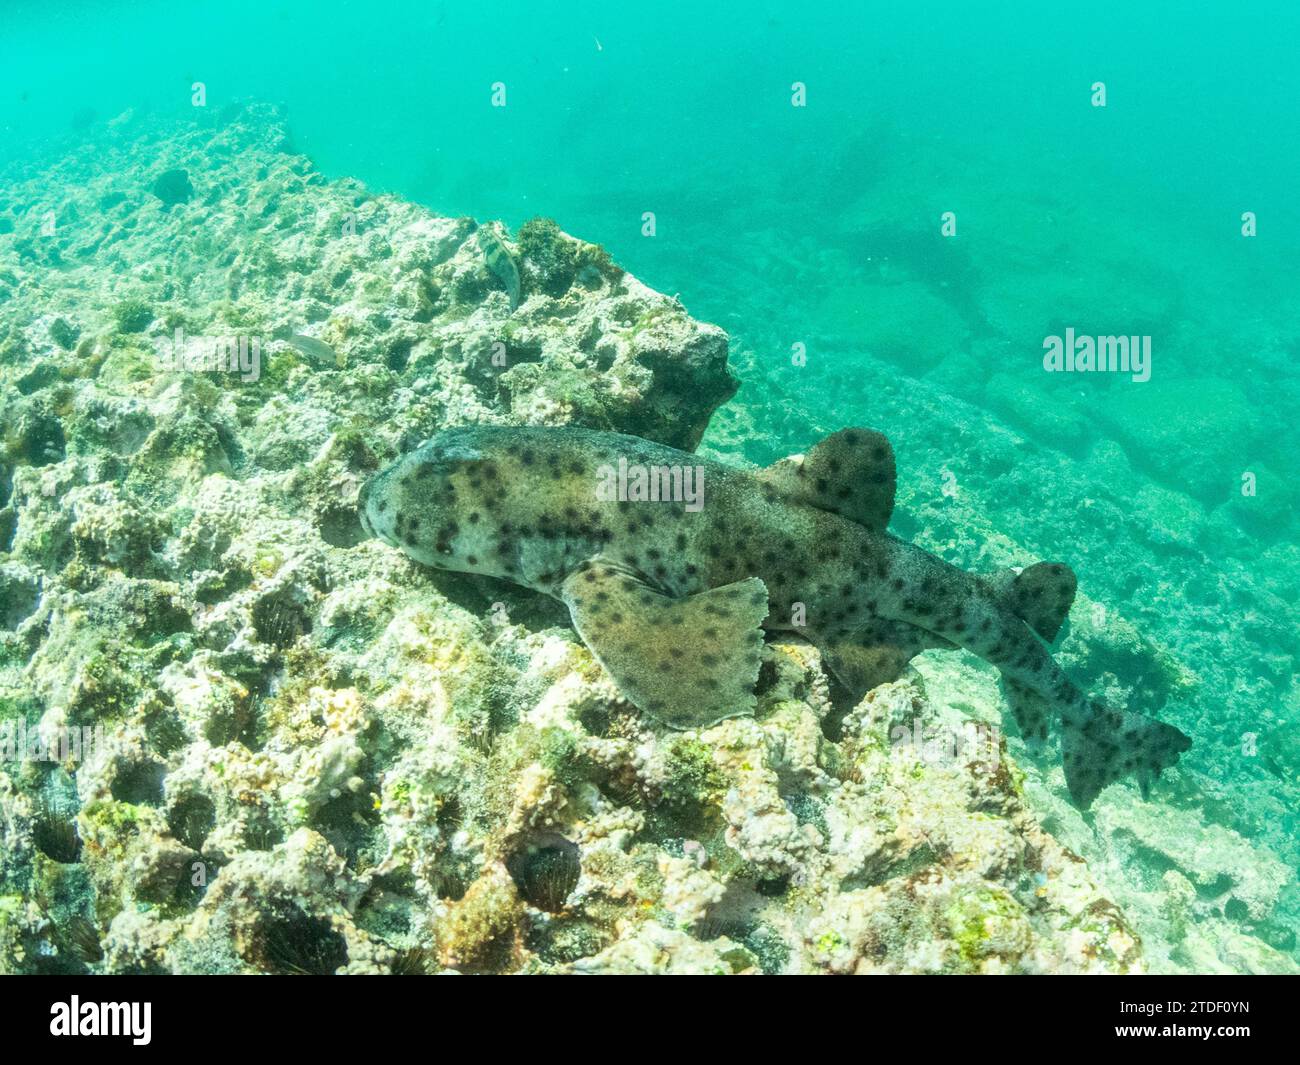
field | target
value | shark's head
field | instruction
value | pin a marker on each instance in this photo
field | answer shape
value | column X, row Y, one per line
column 520, row 503
column 425, row 502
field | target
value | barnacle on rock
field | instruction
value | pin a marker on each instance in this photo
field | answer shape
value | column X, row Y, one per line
column 480, row 930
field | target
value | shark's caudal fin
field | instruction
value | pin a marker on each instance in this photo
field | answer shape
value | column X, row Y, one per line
column 1110, row 744
column 1114, row 744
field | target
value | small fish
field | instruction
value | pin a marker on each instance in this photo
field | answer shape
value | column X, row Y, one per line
column 318, row 352
column 673, row 596
column 501, row 263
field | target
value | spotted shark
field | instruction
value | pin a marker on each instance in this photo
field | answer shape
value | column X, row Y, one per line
column 672, row 574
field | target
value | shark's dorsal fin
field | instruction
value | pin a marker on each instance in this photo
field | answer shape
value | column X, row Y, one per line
column 688, row 662
column 850, row 473
column 1040, row 595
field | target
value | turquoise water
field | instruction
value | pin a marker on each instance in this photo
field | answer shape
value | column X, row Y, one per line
column 819, row 228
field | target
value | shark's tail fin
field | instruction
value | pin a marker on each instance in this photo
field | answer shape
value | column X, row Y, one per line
column 1100, row 745
column 1113, row 744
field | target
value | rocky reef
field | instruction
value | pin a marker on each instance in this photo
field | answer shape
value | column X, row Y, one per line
column 306, row 754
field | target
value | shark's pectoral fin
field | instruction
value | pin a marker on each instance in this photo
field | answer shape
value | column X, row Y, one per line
column 850, row 473
column 876, row 653
column 688, row 662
